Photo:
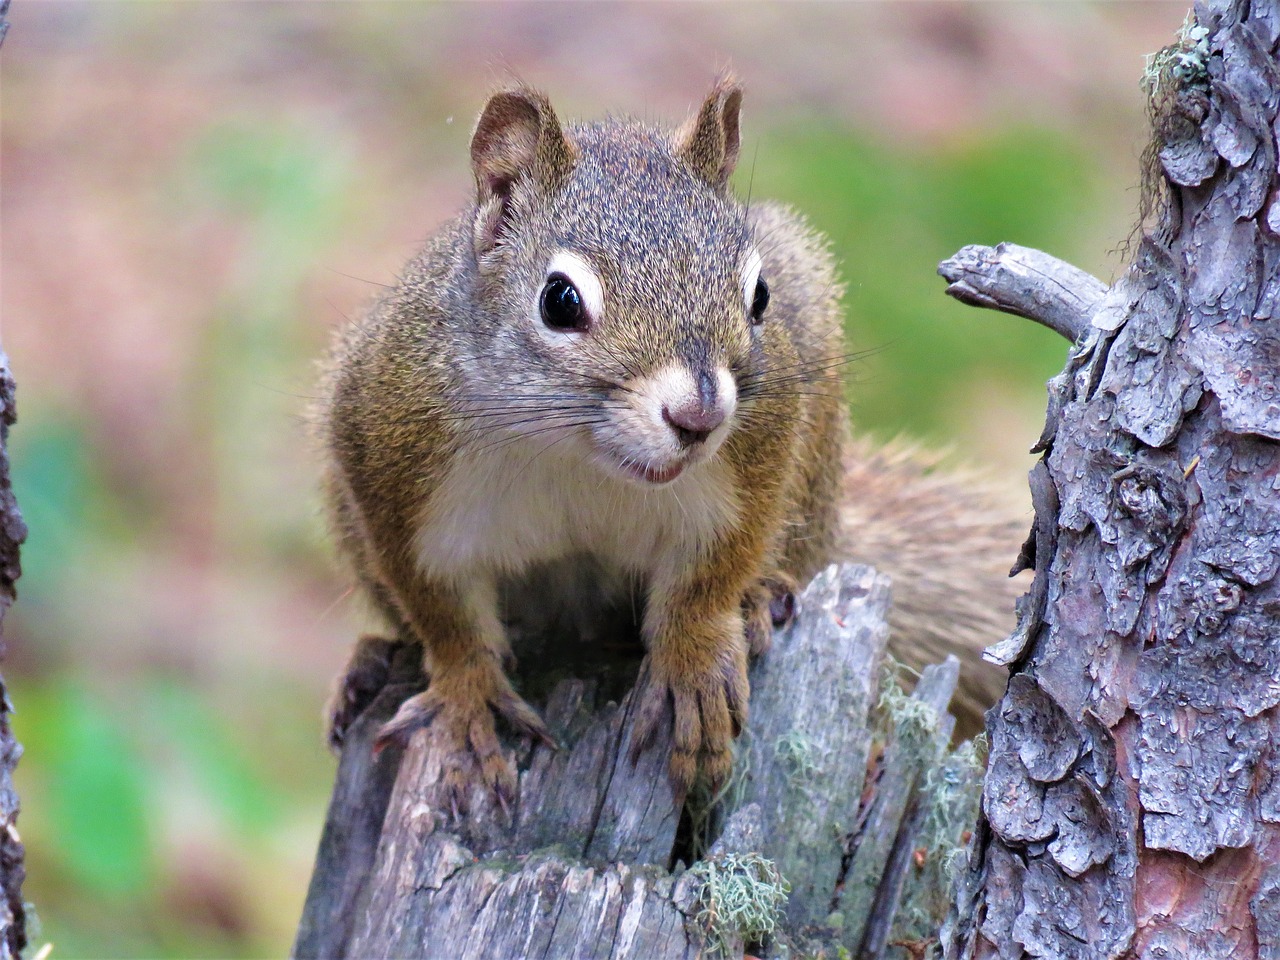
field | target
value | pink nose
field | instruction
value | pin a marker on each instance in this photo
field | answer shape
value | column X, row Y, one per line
column 693, row 422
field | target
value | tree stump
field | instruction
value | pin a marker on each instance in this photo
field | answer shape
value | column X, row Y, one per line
column 844, row 791
column 1132, row 802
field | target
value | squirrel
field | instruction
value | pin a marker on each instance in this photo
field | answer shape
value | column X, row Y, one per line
column 607, row 360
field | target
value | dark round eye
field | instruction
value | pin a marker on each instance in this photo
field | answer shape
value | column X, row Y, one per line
column 562, row 307
column 760, row 301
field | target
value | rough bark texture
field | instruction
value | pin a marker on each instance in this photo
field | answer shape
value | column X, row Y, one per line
column 584, row 869
column 1132, row 802
column 13, row 935
column 13, row 932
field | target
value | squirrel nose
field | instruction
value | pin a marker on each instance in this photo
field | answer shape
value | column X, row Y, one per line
column 693, row 423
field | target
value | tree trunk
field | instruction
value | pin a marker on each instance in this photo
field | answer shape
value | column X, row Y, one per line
column 13, row 930
column 13, row 934
column 830, row 795
column 1132, row 802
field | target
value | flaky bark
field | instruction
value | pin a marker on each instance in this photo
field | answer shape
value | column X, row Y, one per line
column 13, row 935
column 13, row 932
column 1132, row 802
column 821, row 795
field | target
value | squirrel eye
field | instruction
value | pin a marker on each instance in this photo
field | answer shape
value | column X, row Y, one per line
column 561, row 304
column 760, row 301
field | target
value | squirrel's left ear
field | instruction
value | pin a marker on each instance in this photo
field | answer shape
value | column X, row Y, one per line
column 517, row 137
column 708, row 141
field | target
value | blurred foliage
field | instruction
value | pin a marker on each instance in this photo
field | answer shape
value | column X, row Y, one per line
column 174, row 782
column 892, row 215
column 288, row 187
column 144, row 794
column 65, row 505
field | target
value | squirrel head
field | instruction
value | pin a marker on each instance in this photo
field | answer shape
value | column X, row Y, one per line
column 621, row 300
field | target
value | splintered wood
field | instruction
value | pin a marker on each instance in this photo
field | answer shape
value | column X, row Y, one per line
column 583, row 867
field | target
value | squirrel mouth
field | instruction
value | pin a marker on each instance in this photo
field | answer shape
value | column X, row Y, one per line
column 656, row 476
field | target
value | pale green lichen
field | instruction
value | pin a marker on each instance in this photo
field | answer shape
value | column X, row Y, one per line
column 740, row 900
column 1183, row 62
column 948, row 793
column 901, row 718
column 950, row 796
column 953, row 790
column 1174, row 81
column 797, row 755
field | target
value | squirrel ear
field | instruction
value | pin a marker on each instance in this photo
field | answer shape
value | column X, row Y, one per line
column 516, row 136
column 708, row 141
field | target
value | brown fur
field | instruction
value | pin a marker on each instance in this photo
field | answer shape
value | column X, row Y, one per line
column 453, row 364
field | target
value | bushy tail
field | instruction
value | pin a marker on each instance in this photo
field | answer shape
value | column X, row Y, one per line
column 947, row 540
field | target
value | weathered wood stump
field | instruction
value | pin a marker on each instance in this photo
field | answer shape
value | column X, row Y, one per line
column 844, row 789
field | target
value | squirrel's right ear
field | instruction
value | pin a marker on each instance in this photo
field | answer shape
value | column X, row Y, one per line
column 517, row 136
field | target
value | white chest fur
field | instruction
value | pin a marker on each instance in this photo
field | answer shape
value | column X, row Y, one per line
column 501, row 510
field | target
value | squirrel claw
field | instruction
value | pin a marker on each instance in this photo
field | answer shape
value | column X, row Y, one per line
column 505, row 795
column 651, row 710
column 363, row 678
column 414, row 714
column 523, row 718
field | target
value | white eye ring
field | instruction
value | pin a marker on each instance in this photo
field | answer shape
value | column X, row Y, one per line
column 750, row 274
column 583, row 276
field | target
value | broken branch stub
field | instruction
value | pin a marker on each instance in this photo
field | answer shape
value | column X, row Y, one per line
column 1025, row 282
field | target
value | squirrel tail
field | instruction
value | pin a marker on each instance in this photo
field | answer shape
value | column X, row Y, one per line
column 947, row 539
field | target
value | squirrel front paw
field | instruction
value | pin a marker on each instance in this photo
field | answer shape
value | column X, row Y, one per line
column 706, row 704
column 363, row 678
column 769, row 603
column 459, row 705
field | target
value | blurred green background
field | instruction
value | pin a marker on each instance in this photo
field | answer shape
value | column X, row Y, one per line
column 194, row 194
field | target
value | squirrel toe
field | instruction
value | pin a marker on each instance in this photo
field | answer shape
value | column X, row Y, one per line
column 366, row 673
column 768, row 604
column 463, row 727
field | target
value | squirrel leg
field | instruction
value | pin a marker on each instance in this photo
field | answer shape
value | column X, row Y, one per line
column 767, row 604
column 695, row 678
column 464, row 647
